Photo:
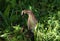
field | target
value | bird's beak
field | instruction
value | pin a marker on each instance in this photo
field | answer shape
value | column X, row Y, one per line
column 22, row 13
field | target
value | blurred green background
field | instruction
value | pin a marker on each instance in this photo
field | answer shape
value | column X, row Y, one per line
column 47, row 13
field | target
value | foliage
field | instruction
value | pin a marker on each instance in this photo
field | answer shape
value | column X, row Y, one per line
column 47, row 13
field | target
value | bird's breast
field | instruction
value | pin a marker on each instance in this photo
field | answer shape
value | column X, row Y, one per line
column 32, row 22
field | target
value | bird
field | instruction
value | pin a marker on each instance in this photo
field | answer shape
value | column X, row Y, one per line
column 32, row 21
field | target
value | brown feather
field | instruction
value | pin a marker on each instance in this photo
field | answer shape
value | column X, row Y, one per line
column 32, row 21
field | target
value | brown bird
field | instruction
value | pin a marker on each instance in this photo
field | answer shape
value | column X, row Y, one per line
column 32, row 21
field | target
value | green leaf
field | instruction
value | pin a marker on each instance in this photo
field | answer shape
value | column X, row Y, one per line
column 6, row 12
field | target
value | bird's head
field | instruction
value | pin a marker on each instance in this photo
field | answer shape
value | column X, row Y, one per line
column 26, row 12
